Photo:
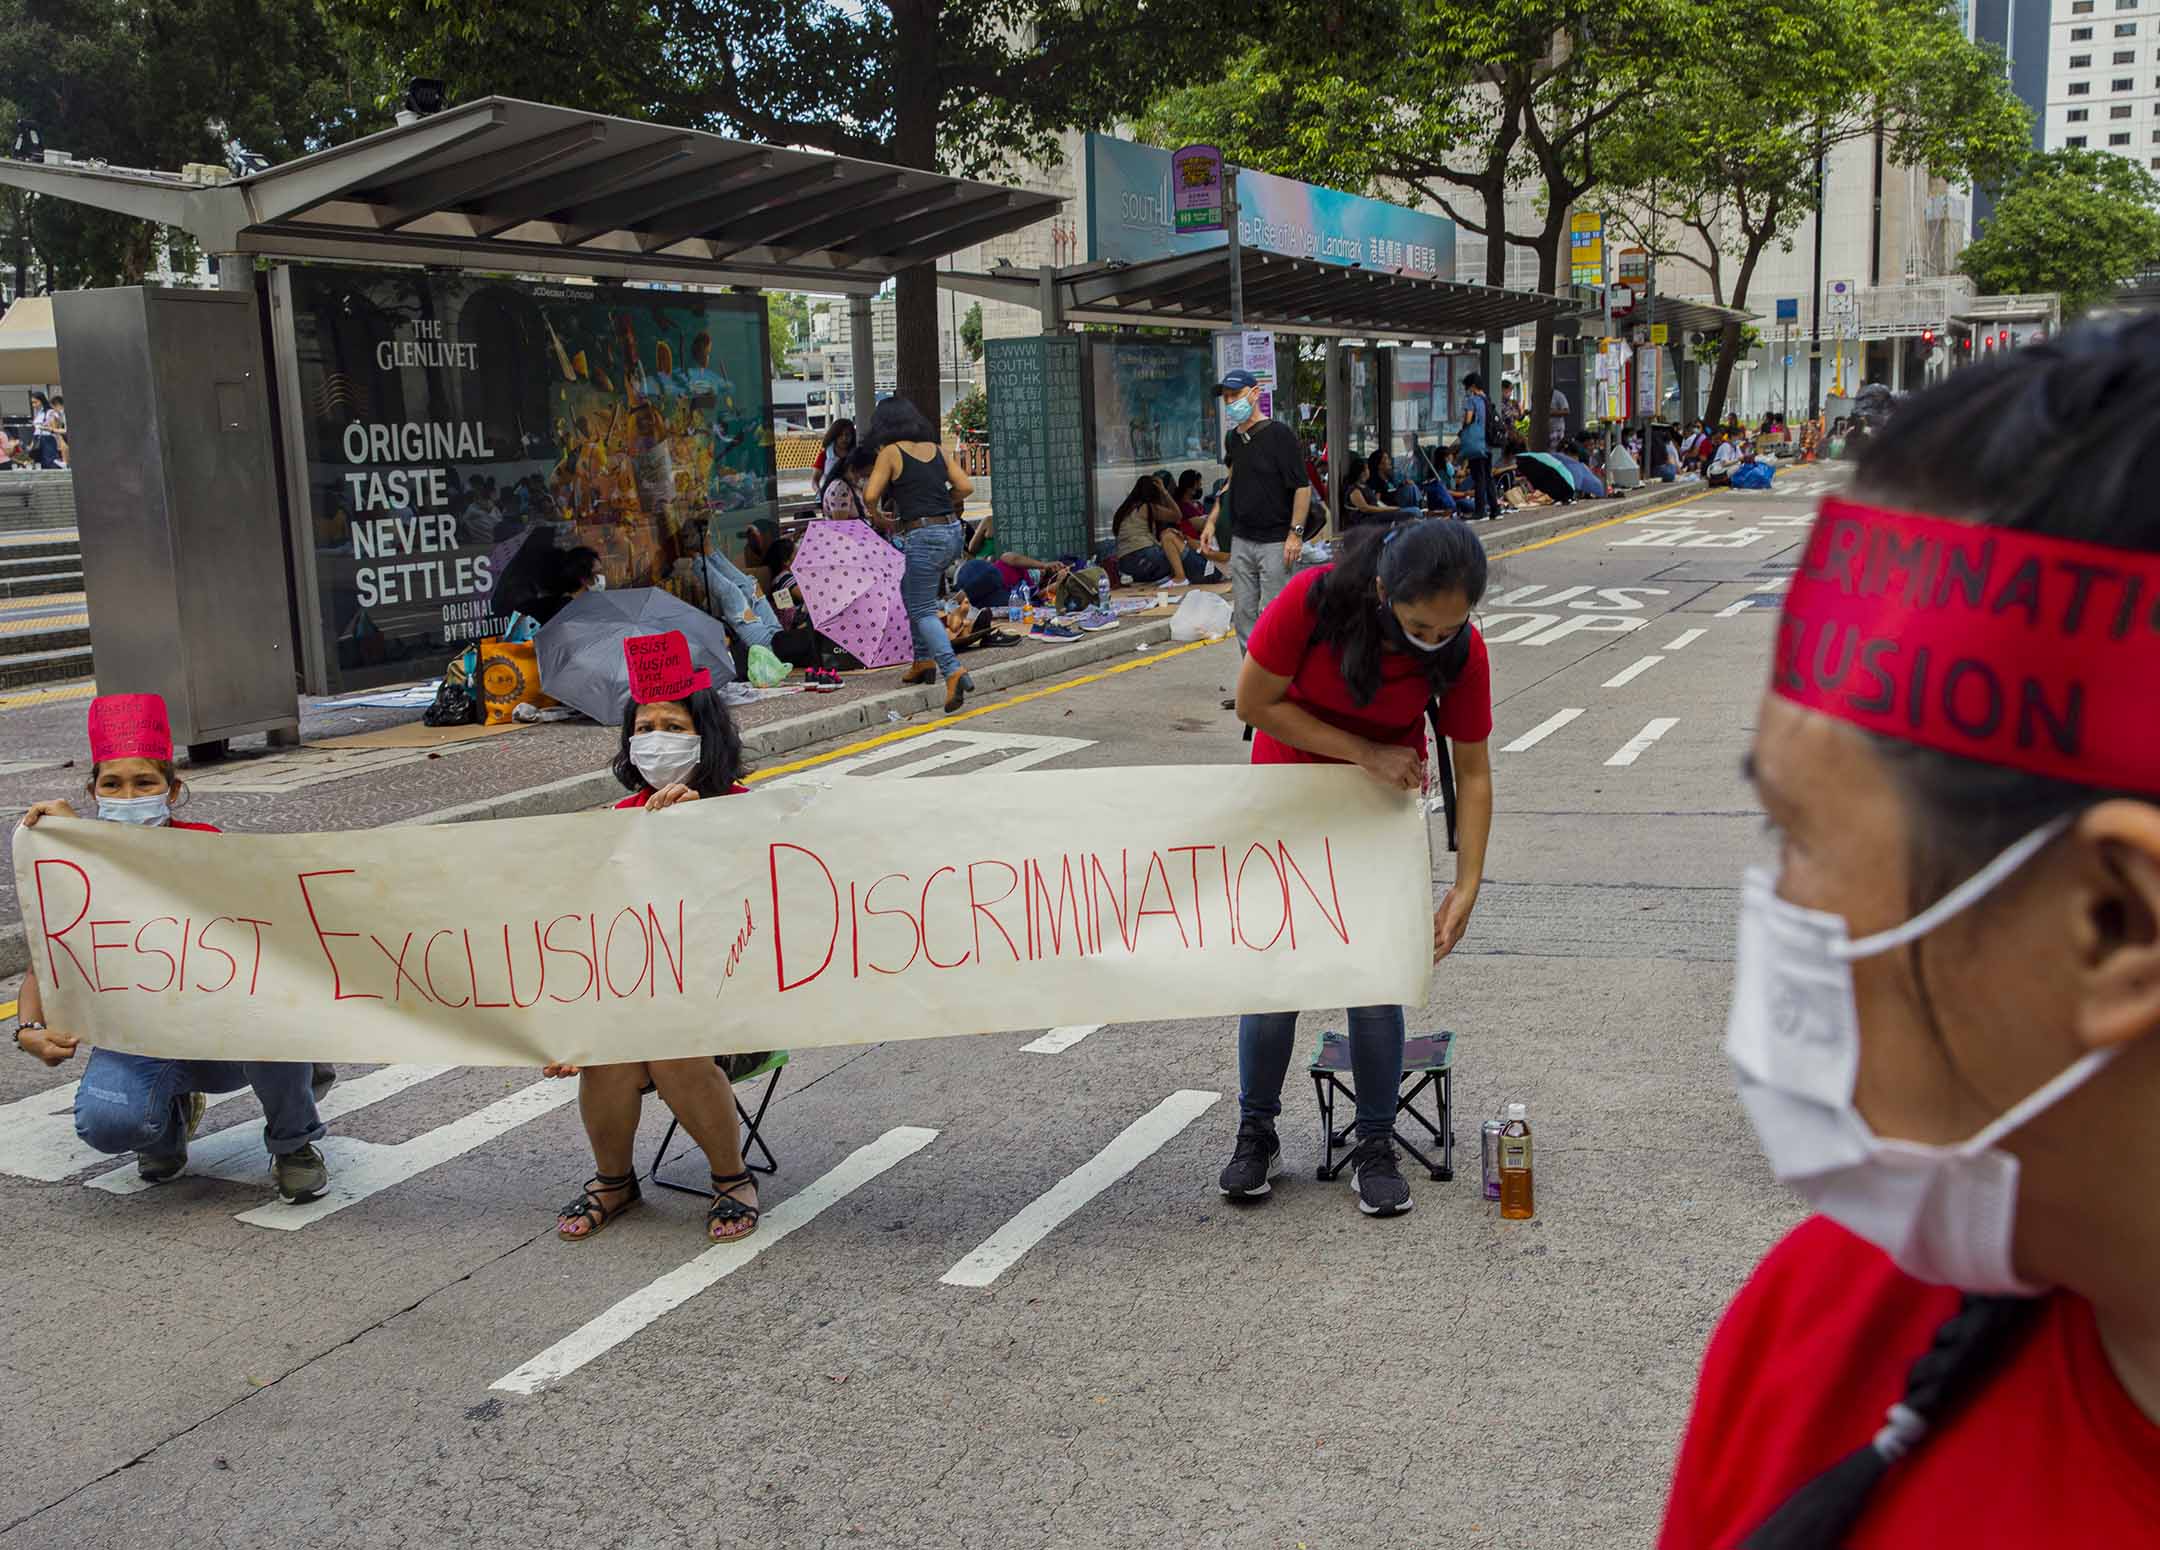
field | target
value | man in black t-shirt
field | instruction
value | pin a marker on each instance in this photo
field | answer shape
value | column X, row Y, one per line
column 1267, row 499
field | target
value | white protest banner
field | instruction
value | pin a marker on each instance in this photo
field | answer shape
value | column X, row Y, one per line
column 796, row 916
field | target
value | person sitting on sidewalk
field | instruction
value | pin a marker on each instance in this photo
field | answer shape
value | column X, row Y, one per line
column 1358, row 505
column 679, row 744
column 146, row 1104
column 841, row 494
column 566, row 574
column 1150, row 546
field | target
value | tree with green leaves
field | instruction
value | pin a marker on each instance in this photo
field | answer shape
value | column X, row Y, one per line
column 787, row 315
column 2076, row 222
column 971, row 331
column 1733, row 156
column 1455, row 105
column 157, row 83
column 967, row 86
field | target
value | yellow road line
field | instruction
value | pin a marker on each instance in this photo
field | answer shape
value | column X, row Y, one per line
column 49, row 622
column 885, row 740
column 1633, row 516
column 47, row 696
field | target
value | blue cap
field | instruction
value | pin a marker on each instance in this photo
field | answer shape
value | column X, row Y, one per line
column 1237, row 381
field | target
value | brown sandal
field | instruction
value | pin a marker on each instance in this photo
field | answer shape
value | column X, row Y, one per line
column 586, row 1208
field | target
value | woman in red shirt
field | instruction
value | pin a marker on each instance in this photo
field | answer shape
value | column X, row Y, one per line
column 1341, row 669
column 147, row 1104
column 1946, row 1012
column 679, row 744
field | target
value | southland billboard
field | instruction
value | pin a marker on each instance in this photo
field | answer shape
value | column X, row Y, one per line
column 1131, row 215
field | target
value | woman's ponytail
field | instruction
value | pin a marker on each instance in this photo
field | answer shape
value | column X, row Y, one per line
column 1967, row 1351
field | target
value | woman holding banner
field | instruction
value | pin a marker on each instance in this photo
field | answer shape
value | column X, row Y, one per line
column 1341, row 670
column 1946, row 1013
column 678, row 745
column 141, row 1103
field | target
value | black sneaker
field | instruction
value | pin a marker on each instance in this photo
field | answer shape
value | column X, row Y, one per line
column 1376, row 1181
column 1258, row 1159
column 324, row 1079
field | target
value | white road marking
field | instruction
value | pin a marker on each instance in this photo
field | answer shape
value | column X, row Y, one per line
column 359, row 1169
column 38, row 1140
column 1131, row 1147
column 936, row 750
column 236, row 1152
column 1542, row 730
column 1629, row 674
column 684, row 1282
column 1686, row 638
column 1640, row 743
column 1058, row 1040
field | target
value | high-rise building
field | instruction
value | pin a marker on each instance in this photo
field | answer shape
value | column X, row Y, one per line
column 2022, row 30
column 2103, row 78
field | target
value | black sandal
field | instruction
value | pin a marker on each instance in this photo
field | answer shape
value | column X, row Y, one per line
column 588, row 1209
column 726, row 1208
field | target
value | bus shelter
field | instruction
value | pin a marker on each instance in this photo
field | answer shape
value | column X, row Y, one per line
column 488, row 329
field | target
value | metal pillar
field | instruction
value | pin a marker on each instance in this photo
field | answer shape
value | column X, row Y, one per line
column 1237, row 261
column 1338, row 425
column 862, row 356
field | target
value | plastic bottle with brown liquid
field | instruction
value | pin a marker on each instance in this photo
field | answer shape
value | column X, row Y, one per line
column 1518, row 1200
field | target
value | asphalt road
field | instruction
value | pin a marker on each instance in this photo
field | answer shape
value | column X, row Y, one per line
column 426, row 1365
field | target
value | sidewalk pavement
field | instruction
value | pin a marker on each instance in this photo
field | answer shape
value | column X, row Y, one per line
column 357, row 770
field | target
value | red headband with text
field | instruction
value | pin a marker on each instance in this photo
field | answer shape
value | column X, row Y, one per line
column 2040, row 654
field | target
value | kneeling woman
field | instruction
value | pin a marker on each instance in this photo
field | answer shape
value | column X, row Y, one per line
column 1341, row 670
column 678, row 745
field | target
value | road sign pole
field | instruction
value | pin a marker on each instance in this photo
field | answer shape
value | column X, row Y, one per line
column 1237, row 266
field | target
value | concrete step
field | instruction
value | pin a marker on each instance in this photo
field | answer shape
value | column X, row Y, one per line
column 45, row 667
column 42, row 546
column 31, row 642
column 58, row 580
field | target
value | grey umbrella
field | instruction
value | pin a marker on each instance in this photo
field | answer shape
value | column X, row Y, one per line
column 580, row 649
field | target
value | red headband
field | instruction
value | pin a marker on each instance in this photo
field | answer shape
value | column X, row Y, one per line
column 129, row 726
column 2040, row 654
column 659, row 668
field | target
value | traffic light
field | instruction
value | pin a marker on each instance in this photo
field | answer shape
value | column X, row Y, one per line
column 1927, row 337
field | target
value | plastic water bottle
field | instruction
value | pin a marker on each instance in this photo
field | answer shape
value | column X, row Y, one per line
column 1102, row 593
column 1016, row 604
column 1027, row 606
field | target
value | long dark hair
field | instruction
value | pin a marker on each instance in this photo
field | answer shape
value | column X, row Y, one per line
column 896, row 419
column 720, row 759
column 1412, row 561
column 2069, row 421
column 832, row 434
column 1145, row 493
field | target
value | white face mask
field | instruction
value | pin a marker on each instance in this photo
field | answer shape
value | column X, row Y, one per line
column 145, row 811
column 1945, row 1214
column 598, row 584
column 664, row 758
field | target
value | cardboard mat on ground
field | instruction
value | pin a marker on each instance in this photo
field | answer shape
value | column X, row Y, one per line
column 795, row 916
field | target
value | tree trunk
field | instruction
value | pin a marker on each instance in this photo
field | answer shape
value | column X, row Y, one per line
column 916, row 95
column 1551, row 241
column 1729, row 335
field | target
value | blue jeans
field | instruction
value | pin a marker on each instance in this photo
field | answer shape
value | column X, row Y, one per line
column 131, row 1103
column 929, row 549
column 982, row 583
column 1264, row 1042
column 738, row 605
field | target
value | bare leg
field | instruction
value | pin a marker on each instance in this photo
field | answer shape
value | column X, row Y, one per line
column 704, row 1100
column 608, row 1102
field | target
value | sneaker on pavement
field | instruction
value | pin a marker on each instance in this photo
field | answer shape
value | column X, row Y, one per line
column 1055, row 631
column 1375, row 1179
column 158, row 1167
column 324, row 1079
column 300, row 1175
column 1257, row 1159
column 1098, row 619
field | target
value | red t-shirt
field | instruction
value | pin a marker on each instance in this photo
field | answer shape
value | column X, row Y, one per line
column 643, row 794
column 2051, row 1450
column 1282, row 644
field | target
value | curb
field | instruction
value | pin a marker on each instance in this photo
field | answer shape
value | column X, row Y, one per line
column 1023, row 665
column 1588, row 513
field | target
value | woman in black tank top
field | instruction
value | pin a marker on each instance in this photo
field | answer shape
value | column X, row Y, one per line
column 926, row 486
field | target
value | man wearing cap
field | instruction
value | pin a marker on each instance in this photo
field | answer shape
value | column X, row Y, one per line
column 1268, row 496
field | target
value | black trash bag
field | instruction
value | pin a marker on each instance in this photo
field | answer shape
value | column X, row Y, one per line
column 455, row 706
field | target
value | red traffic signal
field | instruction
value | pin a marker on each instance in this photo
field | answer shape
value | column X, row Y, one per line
column 1927, row 337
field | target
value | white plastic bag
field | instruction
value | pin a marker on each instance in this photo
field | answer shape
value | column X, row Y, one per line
column 1201, row 616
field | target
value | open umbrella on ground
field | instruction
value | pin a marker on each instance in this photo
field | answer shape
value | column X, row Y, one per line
column 850, row 578
column 1547, row 474
column 580, row 649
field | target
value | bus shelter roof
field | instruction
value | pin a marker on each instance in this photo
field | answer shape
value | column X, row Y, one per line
column 1288, row 295
column 504, row 185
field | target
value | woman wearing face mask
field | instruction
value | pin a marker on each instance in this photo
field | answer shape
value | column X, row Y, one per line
column 1342, row 670
column 141, row 1103
column 1946, row 1016
column 678, row 745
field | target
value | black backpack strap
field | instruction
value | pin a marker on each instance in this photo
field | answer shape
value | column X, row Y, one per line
column 1443, row 769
